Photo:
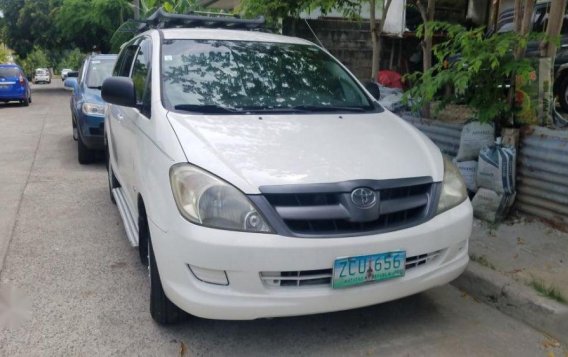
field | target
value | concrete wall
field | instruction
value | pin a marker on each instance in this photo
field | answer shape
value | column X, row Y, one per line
column 349, row 41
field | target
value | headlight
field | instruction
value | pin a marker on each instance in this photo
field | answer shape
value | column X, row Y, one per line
column 94, row 109
column 453, row 187
column 207, row 200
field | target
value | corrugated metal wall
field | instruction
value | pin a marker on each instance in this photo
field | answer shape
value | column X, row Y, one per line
column 542, row 166
column 542, row 174
column 445, row 135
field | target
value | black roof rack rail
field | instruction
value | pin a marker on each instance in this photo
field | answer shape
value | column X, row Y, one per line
column 161, row 19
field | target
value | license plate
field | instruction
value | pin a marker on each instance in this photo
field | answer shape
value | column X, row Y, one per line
column 368, row 268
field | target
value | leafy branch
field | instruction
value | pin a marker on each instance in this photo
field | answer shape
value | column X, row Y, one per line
column 478, row 69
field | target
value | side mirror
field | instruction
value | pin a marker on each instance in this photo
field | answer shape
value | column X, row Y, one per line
column 71, row 83
column 72, row 74
column 119, row 91
column 373, row 88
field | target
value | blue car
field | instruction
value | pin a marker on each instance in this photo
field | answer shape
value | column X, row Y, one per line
column 14, row 85
column 87, row 106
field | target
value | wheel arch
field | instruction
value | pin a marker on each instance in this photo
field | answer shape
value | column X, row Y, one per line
column 559, row 78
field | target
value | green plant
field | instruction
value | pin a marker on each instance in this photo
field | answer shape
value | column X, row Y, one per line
column 37, row 58
column 482, row 260
column 549, row 291
column 73, row 59
column 4, row 54
column 477, row 67
column 128, row 29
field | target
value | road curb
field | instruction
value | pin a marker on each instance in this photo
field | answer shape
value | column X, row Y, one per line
column 515, row 299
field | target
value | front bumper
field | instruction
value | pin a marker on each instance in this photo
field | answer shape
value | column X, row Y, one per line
column 92, row 131
column 243, row 256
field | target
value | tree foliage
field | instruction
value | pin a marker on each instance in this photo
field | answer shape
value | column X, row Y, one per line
column 37, row 58
column 29, row 23
column 91, row 23
column 72, row 59
column 128, row 29
column 4, row 54
column 477, row 67
column 275, row 9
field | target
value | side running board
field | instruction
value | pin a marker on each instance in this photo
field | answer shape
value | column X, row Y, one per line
column 130, row 224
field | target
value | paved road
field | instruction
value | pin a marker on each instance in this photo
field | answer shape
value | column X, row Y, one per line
column 66, row 250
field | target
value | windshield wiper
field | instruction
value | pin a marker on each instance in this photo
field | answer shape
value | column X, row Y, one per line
column 205, row 109
column 284, row 110
column 329, row 108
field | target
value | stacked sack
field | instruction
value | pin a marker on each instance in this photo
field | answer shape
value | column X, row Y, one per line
column 474, row 137
column 496, row 182
column 488, row 169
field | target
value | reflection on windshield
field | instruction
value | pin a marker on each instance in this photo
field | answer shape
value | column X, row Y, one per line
column 98, row 71
column 236, row 76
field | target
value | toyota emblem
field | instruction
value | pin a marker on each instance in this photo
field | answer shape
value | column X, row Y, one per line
column 363, row 197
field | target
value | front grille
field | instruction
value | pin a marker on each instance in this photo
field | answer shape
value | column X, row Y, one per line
column 334, row 213
column 323, row 276
column 97, row 131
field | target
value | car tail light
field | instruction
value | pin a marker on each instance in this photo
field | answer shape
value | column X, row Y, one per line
column 22, row 80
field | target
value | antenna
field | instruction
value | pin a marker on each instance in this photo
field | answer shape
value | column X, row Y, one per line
column 316, row 36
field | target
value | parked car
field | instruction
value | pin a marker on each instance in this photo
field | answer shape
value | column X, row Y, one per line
column 539, row 23
column 64, row 73
column 87, row 107
column 259, row 178
column 42, row 75
column 14, row 85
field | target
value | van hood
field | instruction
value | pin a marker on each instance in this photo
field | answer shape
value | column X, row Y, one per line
column 250, row 151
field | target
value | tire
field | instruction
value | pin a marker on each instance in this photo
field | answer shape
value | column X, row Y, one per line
column 84, row 154
column 75, row 130
column 163, row 311
column 25, row 102
column 112, row 181
column 563, row 93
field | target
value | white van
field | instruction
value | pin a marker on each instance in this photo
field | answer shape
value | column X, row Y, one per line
column 259, row 178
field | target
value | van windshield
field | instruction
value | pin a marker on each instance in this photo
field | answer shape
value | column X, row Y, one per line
column 240, row 76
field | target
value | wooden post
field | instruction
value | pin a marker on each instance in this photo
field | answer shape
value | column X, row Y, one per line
column 376, row 33
column 427, row 14
column 555, row 18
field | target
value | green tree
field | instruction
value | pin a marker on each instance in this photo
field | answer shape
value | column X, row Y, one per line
column 91, row 23
column 128, row 29
column 37, row 58
column 29, row 23
column 73, row 60
column 4, row 54
column 477, row 67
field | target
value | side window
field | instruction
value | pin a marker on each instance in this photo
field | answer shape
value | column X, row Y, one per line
column 81, row 72
column 140, row 75
column 124, row 62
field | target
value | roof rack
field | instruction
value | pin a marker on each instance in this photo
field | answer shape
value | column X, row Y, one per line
column 161, row 19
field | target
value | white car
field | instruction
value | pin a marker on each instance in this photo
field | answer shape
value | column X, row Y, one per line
column 42, row 75
column 260, row 179
column 64, row 73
